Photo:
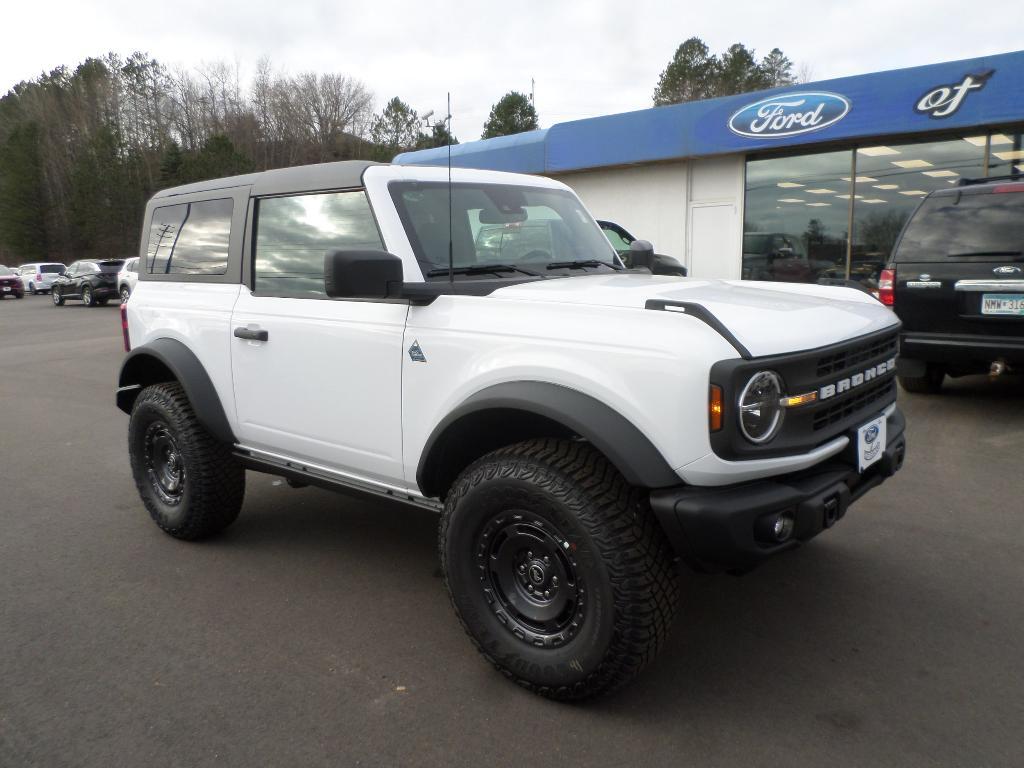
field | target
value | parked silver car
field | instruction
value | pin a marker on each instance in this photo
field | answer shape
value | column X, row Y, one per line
column 127, row 278
column 38, row 276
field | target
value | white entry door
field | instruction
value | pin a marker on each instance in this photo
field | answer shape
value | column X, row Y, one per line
column 712, row 243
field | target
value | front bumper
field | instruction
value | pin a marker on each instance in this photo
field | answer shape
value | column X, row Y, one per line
column 720, row 528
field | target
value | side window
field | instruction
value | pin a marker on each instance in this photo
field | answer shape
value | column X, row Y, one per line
column 190, row 238
column 293, row 234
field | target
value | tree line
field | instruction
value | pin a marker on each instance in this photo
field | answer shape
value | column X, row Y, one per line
column 83, row 148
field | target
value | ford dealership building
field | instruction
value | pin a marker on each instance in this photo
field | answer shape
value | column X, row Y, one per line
column 795, row 183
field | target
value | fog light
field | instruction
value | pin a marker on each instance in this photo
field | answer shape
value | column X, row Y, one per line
column 782, row 528
column 776, row 528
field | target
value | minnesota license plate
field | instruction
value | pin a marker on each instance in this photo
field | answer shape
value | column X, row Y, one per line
column 870, row 443
column 1002, row 304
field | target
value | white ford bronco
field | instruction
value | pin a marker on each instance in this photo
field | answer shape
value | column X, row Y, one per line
column 472, row 344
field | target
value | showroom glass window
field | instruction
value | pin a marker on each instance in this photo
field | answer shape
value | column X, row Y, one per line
column 293, row 234
column 891, row 181
column 1006, row 154
column 796, row 217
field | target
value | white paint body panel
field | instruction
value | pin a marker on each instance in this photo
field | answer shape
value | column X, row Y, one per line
column 326, row 385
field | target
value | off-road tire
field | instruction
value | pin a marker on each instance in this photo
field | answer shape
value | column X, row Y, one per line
column 57, row 297
column 625, row 566
column 929, row 384
column 213, row 481
column 87, row 297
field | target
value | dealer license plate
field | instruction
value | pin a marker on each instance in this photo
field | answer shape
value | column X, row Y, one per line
column 1002, row 304
column 870, row 443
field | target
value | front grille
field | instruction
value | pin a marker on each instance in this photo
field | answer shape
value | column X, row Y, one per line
column 860, row 401
column 851, row 357
column 850, row 367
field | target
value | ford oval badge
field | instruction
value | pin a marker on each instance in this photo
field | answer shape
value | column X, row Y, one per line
column 789, row 114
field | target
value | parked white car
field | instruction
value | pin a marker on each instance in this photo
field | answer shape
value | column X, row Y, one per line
column 38, row 276
column 127, row 278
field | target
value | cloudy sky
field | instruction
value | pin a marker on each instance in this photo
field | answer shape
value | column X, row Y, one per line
column 587, row 57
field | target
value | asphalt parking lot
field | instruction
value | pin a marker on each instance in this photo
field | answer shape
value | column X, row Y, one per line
column 316, row 631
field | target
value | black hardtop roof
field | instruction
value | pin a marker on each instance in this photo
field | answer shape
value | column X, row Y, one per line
column 299, row 178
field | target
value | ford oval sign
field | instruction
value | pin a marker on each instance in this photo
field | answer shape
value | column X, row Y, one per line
column 789, row 114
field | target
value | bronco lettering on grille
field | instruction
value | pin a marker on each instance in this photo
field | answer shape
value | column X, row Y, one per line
column 851, row 382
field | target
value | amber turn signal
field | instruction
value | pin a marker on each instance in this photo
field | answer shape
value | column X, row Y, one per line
column 715, row 407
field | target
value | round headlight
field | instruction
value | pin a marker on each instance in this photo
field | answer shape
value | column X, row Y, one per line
column 760, row 411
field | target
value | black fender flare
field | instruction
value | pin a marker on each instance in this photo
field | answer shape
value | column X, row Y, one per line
column 632, row 453
column 137, row 372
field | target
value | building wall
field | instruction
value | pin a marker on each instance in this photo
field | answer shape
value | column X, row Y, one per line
column 692, row 211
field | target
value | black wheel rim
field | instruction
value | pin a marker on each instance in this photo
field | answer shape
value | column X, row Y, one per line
column 164, row 465
column 530, row 579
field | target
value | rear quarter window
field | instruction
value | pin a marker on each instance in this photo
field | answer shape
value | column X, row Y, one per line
column 190, row 238
column 978, row 227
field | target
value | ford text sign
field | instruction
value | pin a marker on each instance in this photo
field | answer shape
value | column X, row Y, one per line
column 789, row 114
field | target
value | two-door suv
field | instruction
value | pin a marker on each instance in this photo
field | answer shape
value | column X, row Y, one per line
column 577, row 425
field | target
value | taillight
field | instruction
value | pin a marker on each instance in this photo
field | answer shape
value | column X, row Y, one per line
column 39, row 277
column 887, row 287
column 124, row 328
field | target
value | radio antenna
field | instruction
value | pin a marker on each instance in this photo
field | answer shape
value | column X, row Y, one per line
column 451, row 249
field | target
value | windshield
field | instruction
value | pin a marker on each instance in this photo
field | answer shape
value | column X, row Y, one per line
column 982, row 227
column 529, row 227
column 5, row 271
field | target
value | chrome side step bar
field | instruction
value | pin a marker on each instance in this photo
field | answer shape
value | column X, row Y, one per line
column 324, row 477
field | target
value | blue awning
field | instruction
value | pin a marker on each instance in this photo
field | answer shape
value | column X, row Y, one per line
column 973, row 93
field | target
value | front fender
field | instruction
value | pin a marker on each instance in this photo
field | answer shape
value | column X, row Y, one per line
column 616, row 437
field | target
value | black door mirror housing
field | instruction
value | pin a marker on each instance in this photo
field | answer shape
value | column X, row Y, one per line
column 642, row 254
column 362, row 274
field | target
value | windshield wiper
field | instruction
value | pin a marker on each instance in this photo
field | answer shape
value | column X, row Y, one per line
column 983, row 253
column 481, row 269
column 582, row 264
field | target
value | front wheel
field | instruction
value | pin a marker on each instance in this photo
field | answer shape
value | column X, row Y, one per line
column 189, row 482
column 557, row 568
column 87, row 296
column 57, row 297
column 125, row 294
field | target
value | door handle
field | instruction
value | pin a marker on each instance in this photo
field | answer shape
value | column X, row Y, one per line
column 251, row 334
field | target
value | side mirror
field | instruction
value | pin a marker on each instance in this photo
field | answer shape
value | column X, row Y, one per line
column 641, row 252
column 361, row 274
column 666, row 265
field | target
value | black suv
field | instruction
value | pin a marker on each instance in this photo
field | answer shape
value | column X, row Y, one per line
column 956, row 280
column 93, row 281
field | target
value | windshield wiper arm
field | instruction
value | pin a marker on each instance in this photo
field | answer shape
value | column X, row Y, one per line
column 480, row 269
column 581, row 264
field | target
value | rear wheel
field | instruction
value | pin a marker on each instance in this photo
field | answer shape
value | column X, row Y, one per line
column 557, row 568
column 32, row 288
column 929, row 384
column 190, row 483
column 87, row 296
column 57, row 296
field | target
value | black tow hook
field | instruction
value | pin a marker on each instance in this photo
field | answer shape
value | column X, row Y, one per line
column 831, row 510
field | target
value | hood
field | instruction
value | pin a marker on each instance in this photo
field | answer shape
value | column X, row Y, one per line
column 767, row 318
